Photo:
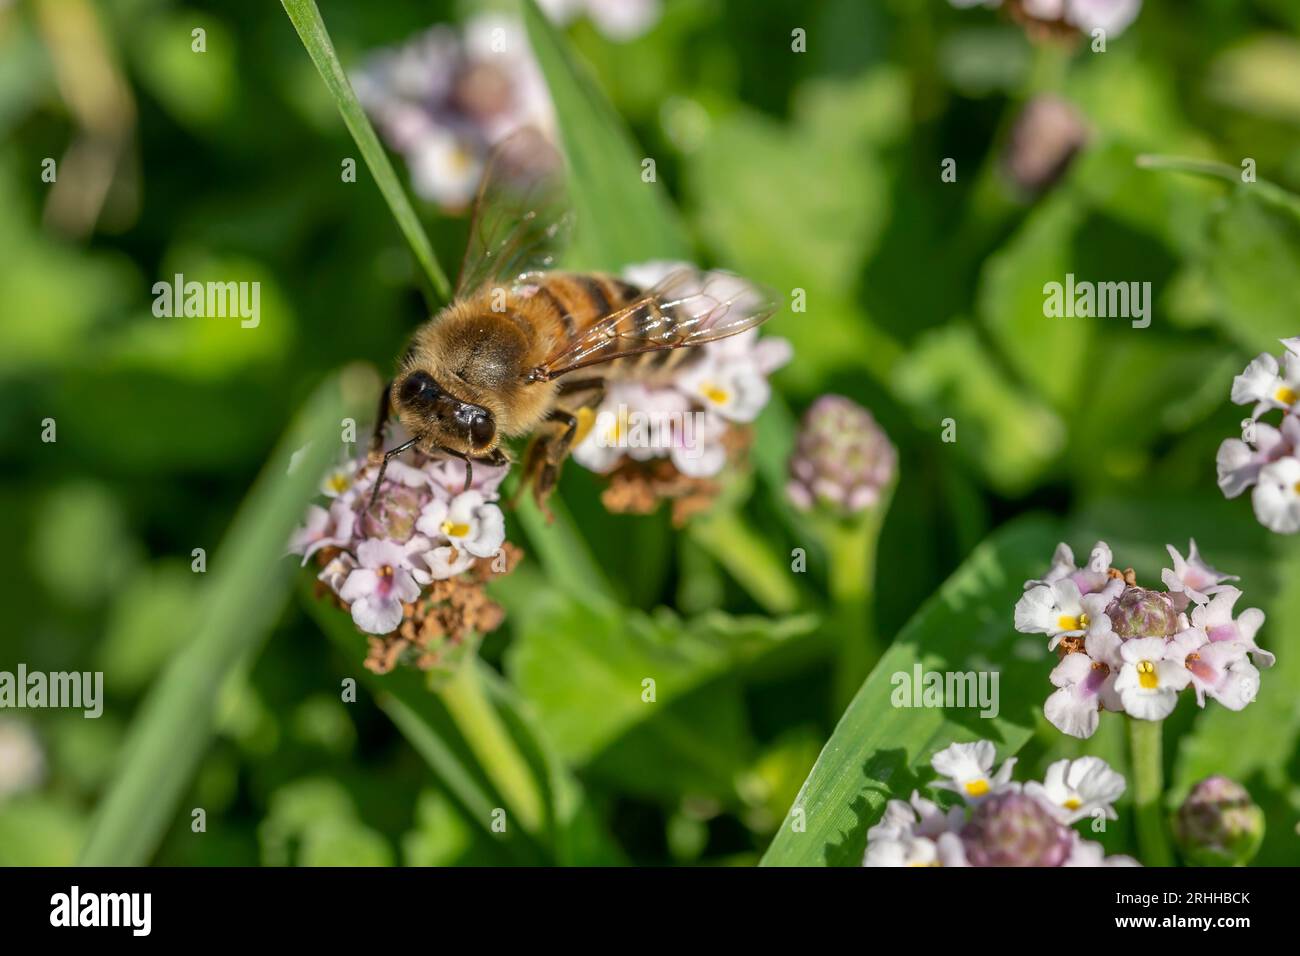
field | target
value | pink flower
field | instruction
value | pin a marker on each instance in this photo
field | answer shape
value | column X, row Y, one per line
column 332, row 528
column 1217, row 621
column 1193, row 577
column 379, row 587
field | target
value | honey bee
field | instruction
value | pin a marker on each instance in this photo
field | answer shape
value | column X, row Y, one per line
column 526, row 350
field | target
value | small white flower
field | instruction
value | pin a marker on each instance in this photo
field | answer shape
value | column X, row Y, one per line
column 1268, row 385
column 469, row 523
column 380, row 586
column 1058, row 610
column 1193, row 576
column 1074, row 789
column 1149, row 682
column 1217, row 621
column 968, row 769
column 946, row 850
column 1277, row 496
column 619, row 20
column 1087, row 853
column 1112, row 16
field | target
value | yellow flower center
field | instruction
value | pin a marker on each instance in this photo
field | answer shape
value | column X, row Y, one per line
column 386, row 571
column 338, row 482
column 1067, row 623
column 1286, row 395
column 586, row 418
column 1074, row 803
column 1296, row 487
column 931, row 863
column 454, row 530
column 1147, row 675
column 976, row 788
column 714, row 393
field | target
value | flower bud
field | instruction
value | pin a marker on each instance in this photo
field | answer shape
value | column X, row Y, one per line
column 1142, row 613
column 842, row 458
column 1044, row 140
column 1014, row 829
column 395, row 512
column 1218, row 824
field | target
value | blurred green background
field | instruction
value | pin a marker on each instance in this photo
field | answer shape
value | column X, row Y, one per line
column 817, row 170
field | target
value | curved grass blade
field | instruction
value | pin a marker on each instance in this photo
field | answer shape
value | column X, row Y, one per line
column 307, row 21
column 621, row 218
column 248, row 584
column 880, row 751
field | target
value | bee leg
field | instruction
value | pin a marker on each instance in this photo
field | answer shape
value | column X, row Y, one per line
column 381, row 421
column 383, row 467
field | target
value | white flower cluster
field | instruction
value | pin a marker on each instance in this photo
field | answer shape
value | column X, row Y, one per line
column 425, row 526
column 1112, row 16
column 446, row 97
column 1000, row 822
column 715, row 385
column 1266, row 457
column 616, row 19
column 1127, row 648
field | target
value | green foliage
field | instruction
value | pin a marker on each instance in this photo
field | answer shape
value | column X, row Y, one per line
column 817, row 174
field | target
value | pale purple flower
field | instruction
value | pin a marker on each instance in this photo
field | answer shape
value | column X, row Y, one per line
column 446, row 97
column 1239, row 462
column 1112, row 16
column 1216, row 619
column 842, row 459
column 1267, row 384
column 1218, row 670
column 323, row 528
column 1084, row 687
column 1192, row 576
column 379, row 586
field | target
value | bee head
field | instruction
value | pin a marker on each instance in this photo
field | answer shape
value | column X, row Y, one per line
column 428, row 409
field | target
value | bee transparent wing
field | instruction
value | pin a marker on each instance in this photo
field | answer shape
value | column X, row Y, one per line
column 522, row 218
column 689, row 307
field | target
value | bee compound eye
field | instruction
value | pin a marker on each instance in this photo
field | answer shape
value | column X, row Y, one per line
column 481, row 430
column 419, row 388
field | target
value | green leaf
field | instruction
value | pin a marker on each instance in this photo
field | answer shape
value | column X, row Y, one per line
column 608, row 653
column 1000, row 428
column 621, row 219
column 1253, row 265
column 1046, row 352
column 879, row 751
column 249, row 578
column 311, row 30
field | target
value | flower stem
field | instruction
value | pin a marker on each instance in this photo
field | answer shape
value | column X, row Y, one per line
column 464, row 697
column 1148, row 791
column 851, row 550
column 747, row 558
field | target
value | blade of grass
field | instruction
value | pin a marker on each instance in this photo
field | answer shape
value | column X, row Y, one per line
column 564, row 554
column 1269, row 192
column 250, row 578
column 881, row 750
column 307, row 21
column 621, row 218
